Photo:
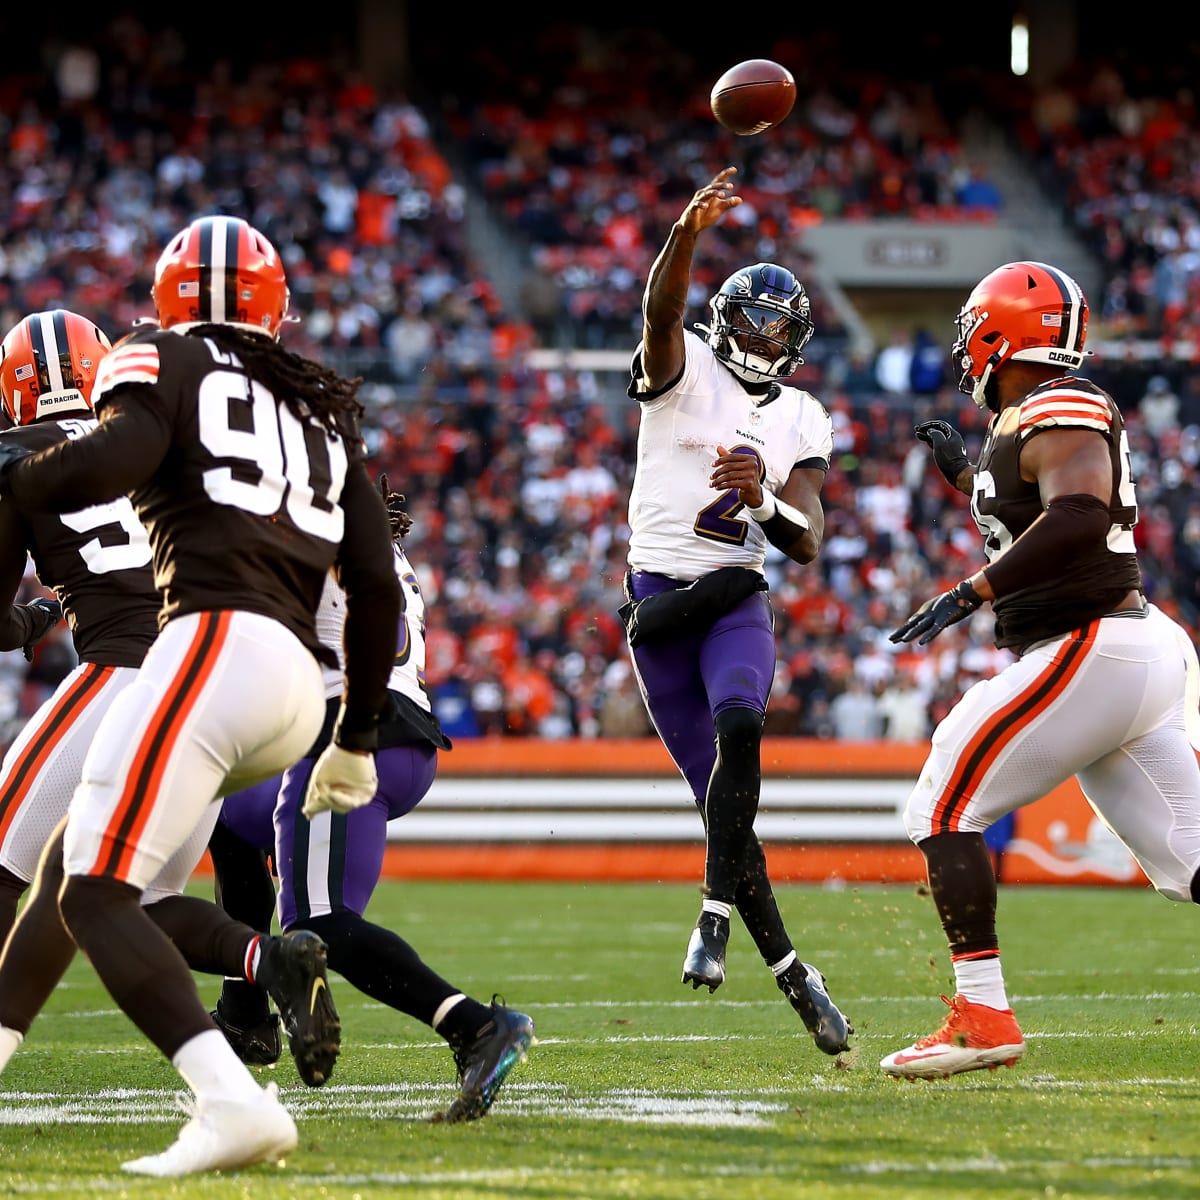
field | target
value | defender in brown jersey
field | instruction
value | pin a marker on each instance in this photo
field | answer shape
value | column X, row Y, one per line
column 97, row 561
column 1100, row 688
column 246, row 465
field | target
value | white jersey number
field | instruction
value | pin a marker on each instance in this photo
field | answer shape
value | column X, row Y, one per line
column 124, row 544
column 298, row 467
column 995, row 533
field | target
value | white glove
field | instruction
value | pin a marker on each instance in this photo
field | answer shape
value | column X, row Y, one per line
column 342, row 781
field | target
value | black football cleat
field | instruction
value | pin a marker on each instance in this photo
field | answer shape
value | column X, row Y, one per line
column 704, row 964
column 484, row 1063
column 804, row 986
column 258, row 1044
column 295, row 978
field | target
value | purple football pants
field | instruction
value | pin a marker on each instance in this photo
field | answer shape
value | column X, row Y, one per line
column 331, row 863
column 687, row 680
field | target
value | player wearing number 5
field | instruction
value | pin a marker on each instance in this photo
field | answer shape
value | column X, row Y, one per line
column 729, row 458
column 246, row 465
column 96, row 561
column 1104, row 685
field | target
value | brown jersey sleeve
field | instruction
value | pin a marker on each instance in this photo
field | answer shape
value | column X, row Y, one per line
column 123, row 451
column 364, row 570
column 14, row 623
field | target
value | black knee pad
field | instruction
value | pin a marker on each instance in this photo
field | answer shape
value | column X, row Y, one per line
column 739, row 724
column 1195, row 888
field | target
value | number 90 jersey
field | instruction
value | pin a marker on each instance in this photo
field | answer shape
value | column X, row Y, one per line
column 1004, row 505
column 243, row 511
column 679, row 526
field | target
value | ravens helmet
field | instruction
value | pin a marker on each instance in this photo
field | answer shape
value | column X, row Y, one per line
column 760, row 323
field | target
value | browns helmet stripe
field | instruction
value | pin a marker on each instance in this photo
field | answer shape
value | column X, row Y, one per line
column 205, row 261
column 1070, row 336
column 61, row 369
column 229, row 267
column 51, row 351
column 218, row 269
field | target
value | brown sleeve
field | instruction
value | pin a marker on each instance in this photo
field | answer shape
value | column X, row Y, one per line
column 122, row 452
column 15, row 622
column 1069, row 528
column 365, row 572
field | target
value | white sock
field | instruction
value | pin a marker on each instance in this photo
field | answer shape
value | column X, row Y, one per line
column 10, row 1039
column 981, row 981
column 719, row 907
column 212, row 1070
column 444, row 1008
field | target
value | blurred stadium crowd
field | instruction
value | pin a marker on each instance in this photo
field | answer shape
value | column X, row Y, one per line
column 517, row 478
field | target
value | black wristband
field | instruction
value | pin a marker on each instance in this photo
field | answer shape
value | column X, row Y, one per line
column 356, row 732
column 782, row 533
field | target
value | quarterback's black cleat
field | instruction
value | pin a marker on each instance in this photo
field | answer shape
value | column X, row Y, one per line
column 704, row 964
column 484, row 1063
column 804, row 986
column 257, row 1045
column 293, row 972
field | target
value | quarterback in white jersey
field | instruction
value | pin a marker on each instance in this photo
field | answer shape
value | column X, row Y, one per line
column 730, row 457
column 678, row 527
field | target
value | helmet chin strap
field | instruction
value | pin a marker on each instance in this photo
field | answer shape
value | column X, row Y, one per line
column 978, row 392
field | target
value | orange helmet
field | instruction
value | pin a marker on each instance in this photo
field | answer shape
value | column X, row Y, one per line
column 1021, row 312
column 222, row 271
column 48, row 364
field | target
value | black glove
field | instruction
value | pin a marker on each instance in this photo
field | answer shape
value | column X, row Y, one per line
column 949, row 449
column 43, row 615
column 10, row 454
column 939, row 613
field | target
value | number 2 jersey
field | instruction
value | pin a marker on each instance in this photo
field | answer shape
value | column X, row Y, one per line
column 1004, row 506
column 96, row 560
column 679, row 526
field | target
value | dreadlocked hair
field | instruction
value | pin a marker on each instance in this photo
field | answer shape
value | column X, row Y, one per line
column 306, row 387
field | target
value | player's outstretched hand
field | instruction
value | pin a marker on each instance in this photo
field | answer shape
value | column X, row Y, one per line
column 711, row 202
column 939, row 613
column 342, row 781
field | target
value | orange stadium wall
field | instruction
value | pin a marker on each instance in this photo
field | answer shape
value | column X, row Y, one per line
column 510, row 808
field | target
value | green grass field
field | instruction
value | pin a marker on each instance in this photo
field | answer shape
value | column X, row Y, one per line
column 642, row 1087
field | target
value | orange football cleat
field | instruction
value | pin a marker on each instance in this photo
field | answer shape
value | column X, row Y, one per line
column 974, row 1036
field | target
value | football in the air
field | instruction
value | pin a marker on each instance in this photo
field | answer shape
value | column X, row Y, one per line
column 753, row 96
